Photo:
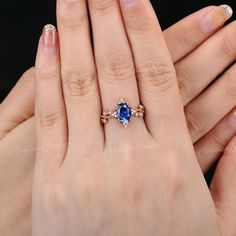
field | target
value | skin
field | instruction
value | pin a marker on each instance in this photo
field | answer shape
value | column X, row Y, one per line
column 14, row 125
column 143, row 180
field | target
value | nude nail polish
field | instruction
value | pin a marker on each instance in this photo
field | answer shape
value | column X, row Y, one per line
column 217, row 17
column 72, row 1
column 129, row 3
column 49, row 36
column 228, row 11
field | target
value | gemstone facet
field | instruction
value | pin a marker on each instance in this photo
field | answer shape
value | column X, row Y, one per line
column 123, row 113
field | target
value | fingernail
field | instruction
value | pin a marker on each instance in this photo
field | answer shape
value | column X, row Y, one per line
column 49, row 36
column 71, row 0
column 129, row 3
column 217, row 17
column 228, row 11
column 232, row 118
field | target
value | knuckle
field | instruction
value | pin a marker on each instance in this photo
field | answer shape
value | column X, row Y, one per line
column 48, row 117
column 101, row 5
column 231, row 83
column 70, row 16
column 158, row 75
column 78, row 83
column 194, row 122
column 116, row 68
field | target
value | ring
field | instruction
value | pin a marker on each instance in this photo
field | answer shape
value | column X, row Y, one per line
column 123, row 113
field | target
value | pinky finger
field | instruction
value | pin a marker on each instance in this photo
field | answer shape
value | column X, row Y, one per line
column 49, row 104
column 212, row 145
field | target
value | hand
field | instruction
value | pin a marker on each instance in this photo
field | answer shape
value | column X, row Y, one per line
column 204, row 79
column 17, row 157
column 20, row 102
column 144, row 180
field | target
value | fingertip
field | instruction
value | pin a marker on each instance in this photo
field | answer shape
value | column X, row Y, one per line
column 227, row 10
column 216, row 17
column 48, row 49
column 49, row 39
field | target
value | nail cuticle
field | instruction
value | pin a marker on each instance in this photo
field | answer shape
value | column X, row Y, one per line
column 129, row 3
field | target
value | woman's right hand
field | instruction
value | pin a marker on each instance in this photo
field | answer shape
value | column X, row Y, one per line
column 206, row 76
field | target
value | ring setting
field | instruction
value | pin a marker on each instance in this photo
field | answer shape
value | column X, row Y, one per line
column 123, row 113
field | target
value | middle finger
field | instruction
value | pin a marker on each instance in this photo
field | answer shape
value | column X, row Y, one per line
column 115, row 66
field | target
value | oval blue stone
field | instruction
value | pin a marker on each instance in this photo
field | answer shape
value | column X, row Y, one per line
column 124, row 113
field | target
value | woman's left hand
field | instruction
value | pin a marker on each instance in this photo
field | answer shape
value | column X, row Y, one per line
column 182, row 39
column 94, row 180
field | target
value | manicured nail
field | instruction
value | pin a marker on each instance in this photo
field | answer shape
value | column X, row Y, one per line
column 129, row 3
column 49, row 36
column 228, row 11
column 217, row 17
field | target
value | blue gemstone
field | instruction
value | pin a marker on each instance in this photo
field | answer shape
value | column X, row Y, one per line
column 124, row 113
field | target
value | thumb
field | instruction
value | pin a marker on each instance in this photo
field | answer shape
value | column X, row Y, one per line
column 223, row 189
column 19, row 104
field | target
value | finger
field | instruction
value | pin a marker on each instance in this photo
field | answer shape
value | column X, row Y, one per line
column 212, row 105
column 17, row 158
column 19, row 104
column 209, row 148
column 154, row 69
column 78, row 71
column 186, row 35
column 114, row 64
column 216, row 54
column 49, row 105
column 223, row 190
